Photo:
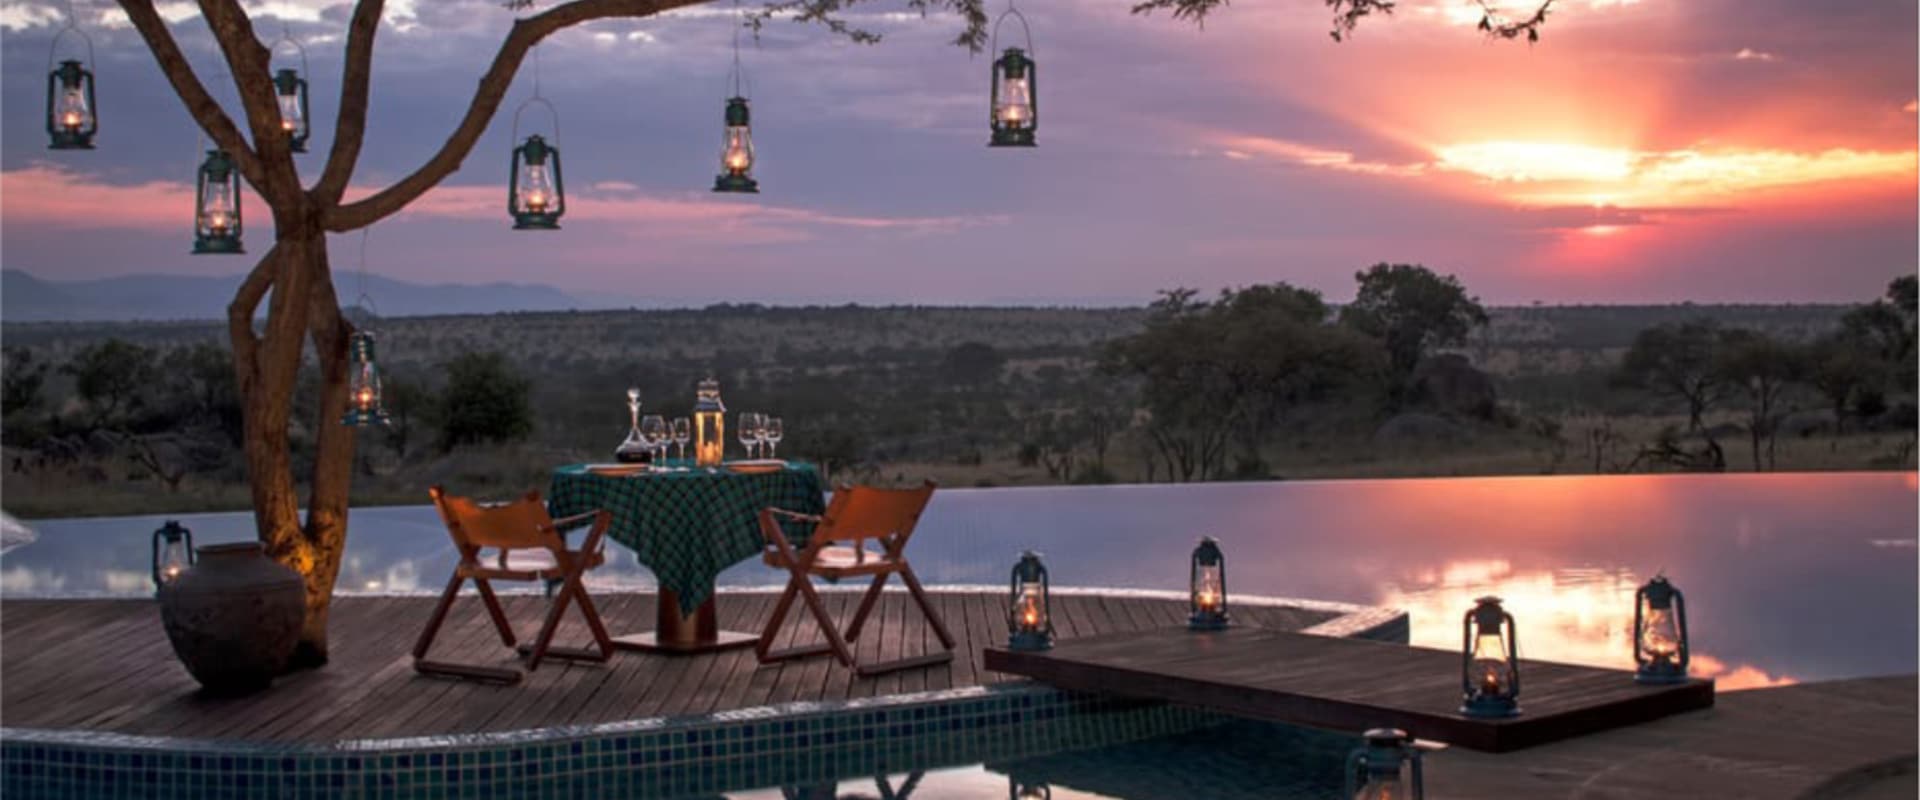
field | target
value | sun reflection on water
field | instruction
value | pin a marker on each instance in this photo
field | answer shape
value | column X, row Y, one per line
column 1577, row 615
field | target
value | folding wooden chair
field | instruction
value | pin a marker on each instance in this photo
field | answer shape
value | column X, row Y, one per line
column 529, row 548
column 837, row 549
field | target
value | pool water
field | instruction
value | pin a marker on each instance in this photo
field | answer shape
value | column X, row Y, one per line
column 1788, row 577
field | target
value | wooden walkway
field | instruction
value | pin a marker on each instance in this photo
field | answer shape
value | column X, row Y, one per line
column 106, row 665
column 1346, row 684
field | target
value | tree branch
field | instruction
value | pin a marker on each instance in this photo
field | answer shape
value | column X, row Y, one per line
column 205, row 110
column 350, row 127
column 246, row 345
column 249, row 62
column 486, row 100
column 1499, row 27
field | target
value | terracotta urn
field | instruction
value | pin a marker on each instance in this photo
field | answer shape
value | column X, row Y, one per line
column 234, row 617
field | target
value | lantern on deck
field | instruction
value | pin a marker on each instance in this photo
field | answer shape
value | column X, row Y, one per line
column 1015, row 107
column 363, row 386
column 1029, row 620
column 1387, row 767
column 291, row 90
column 709, row 425
column 1018, row 789
column 536, row 191
column 216, row 213
column 1660, row 648
column 70, row 119
column 1207, row 602
column 736, row 151
column 1490, row 665
column 172, row 553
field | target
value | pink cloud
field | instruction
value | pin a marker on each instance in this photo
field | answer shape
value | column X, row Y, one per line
column 52, row 196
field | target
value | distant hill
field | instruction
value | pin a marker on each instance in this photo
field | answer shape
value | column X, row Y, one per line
column 25, row 297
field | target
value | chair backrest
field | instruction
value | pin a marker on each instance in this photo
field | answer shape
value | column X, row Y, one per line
column 523, row 523
column 870, row 512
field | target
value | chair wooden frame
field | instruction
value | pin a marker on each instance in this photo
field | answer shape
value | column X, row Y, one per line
column 518, row 526
column 857, row 514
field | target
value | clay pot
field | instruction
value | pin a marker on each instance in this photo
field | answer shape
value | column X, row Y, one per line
column 234, row 617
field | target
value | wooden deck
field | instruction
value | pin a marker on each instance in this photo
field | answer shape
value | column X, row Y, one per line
column 106, row 665
column 1345, row 684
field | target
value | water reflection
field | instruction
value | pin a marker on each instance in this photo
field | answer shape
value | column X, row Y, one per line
column 1788, row 577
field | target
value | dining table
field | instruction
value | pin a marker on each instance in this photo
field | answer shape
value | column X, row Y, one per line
column 688, row 524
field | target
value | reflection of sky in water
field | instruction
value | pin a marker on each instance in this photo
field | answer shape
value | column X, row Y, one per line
column 1796, row 577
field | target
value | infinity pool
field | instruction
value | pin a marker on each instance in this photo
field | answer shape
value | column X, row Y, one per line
column 1787, row 577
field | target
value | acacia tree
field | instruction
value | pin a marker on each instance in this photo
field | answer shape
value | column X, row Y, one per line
column 304, row 307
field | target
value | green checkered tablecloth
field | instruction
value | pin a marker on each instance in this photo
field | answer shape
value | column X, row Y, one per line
column 688, row 526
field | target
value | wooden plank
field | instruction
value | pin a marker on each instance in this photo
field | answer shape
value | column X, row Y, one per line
column 1346, row 684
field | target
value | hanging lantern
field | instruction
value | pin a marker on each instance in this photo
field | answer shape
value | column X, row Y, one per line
column 1028, row 789
column 70, row 119
column 536, row 192
column 1387, row 767
column 291, row 90
column 1490, row 665
column 1660, row 646
column 1208, row 587
column 709, row 425
column 172, row 553
column 216, row 213
column 736, row 151
column 363, row 386
column 1015, row 107
column 1029, row 621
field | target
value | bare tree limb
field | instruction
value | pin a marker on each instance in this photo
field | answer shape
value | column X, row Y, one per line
column 249, row 62
column 246, row 345
column 486, row 100
column 205, row 110
column 350, row 127
column 1501, row 28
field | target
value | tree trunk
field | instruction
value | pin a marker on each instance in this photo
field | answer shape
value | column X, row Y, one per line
column 267, row 366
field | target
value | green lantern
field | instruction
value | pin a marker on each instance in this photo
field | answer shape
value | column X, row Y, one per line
column 291, row 90
column 172, row 553
column 1386, row 767
column 536, row 191
column 1029, row 620
column 70, row 119
column 1490, row 661
column 363, row 386
column 216, row 212
column 1207, row 587
column 1015, row 107
column 1660, row 648
column 736, row 150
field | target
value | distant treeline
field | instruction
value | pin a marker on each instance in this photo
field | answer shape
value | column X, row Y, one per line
column 1263, row 381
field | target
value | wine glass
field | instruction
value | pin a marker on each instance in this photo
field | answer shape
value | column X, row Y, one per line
column 654, row 428
column 682, row 433
column 772, row 432
column 749, row 431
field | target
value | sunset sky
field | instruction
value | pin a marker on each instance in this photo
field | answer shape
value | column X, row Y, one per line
column 1643, row 151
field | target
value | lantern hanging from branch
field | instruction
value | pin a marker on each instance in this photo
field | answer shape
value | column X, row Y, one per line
column 1015, row 99
column 1207, row 596
column 172, row 553
column 709, row 425
column 1490, row 663
column 1029, row 616
column 1660, row 647
column 216, row 214
column 1387, row 767
column 71, row 117
column 736, row 150
column 363, row 385
column 290, row 91
column 536, row 187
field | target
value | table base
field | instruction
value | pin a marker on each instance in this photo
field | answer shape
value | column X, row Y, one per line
column 678, row 634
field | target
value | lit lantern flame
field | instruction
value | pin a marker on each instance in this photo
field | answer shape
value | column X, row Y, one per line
column 536, row 191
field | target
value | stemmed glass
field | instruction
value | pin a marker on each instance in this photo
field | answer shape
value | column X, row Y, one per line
column 749, row 431
column 772, row 431
column 682, row 433
column 654, row 428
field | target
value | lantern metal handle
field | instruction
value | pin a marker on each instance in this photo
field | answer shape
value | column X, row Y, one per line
column 287, row 36
column 53, row 48
column 993, row 45
column 363, row 300
column 552, row 113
